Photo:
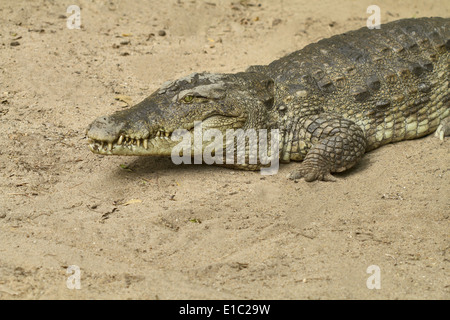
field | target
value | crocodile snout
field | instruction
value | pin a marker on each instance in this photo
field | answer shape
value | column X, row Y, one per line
column 104, row 128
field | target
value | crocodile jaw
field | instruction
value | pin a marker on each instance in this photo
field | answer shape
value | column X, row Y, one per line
column 218, row 101
column 158, row 146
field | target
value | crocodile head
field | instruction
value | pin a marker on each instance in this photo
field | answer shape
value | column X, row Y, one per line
column 219, row 101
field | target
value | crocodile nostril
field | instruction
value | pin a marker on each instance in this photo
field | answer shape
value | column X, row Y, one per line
column 105, row 129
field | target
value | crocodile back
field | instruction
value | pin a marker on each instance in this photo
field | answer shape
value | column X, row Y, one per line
column 393, row 81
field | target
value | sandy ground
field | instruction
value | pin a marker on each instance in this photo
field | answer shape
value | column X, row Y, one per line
column 145, row 228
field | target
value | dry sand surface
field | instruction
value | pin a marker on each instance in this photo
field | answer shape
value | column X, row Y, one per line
column 145, row 228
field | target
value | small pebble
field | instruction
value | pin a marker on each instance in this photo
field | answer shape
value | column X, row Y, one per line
column 276, row 22
column 161, row 33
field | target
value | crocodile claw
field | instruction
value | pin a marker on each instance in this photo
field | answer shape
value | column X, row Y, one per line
column 311, row 174
column 443, row 130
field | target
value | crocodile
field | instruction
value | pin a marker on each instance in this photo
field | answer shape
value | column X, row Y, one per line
column 331, row 102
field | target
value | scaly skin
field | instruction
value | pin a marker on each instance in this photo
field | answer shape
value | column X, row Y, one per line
column 332, row 101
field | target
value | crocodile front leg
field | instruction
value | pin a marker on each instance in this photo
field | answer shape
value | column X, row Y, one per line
column 336, row 144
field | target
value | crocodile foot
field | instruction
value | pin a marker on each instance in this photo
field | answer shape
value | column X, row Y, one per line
column 311, row 173
column 444, row 129
column 338, row 145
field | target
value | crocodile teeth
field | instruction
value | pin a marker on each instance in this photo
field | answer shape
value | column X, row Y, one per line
column 110, row 146
column 158, row 133
column 145, row 143
column 138, row 142
column 167, row 134
column 120, row 140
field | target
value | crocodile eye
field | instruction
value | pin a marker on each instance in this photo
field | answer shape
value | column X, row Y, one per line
column 188, row 99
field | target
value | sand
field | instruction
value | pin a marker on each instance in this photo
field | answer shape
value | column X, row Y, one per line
column 145, row 228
